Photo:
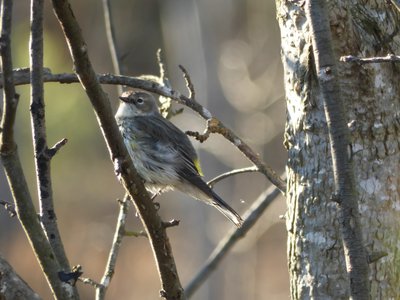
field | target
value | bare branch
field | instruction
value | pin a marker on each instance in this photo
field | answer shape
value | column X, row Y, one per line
column 171, row 223
column 12, row 166
column 235, row 234
column 161, row 66
column 165, row 102
column 10, row 97
column 218, row 178
column 112, row 43
column 201, row 137
column 390, row 58
column 90, row 282
column 9, row 207
column 169, row 278
column 189, row 83
column 101, row 289
column 339, row 136
column 213, row 126
column 53, row 150
column 48, row 217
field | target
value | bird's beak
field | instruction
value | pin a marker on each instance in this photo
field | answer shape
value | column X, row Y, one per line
column 123, row 98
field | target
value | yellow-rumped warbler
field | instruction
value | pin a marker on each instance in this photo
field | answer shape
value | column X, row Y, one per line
column 162, row 154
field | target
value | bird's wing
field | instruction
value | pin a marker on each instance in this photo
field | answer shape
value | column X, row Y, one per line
column 168, row 135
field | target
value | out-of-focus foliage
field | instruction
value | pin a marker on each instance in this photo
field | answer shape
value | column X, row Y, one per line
column 231, row 49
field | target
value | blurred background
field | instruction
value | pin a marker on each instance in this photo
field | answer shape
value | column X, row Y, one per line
column 232, row 52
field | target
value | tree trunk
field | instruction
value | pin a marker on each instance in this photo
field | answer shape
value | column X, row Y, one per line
column 12, row 286
column 371, row 93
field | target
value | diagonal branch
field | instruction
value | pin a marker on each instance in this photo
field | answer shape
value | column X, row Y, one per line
column 171, row 287
column 235, row 234
column 48, row 217
column 339, row 136
column 13, row 169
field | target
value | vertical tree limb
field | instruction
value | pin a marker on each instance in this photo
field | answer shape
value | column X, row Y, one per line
column 10, row 98
column 171, row 287
column 339, row 135
column 112, row 43
column 42, row 155
column 12, row 166
column 116, row 244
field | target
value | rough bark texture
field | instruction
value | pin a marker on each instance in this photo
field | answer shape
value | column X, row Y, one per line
column 372, row 100
column 12, row 286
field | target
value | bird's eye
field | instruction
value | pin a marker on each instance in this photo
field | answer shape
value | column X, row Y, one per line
column 140, row 101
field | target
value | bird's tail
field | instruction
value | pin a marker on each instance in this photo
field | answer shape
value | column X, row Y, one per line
column 200, row 190
column 226, row 210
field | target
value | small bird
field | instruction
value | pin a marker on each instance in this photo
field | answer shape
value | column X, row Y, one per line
column 162, row 154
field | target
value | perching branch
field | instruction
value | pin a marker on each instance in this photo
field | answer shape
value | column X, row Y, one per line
column 339, row 136
column 13, row 169
column 48, row 217
column 213, row 126
column 171, row 287
column 101, row 289
column 390, row 58
column 235, row 234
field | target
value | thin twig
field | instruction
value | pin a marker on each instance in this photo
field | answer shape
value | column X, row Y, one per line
column 220, row 177
column 390, row 58
column 213, row 124
column 339, row 136
column 112, row 43
column 235, row 234
column 171, row 223
column 119, row 233
column 91, row 282
column 9, row 207
column 165, row 102
column 53, row 150
column 170, row 284
column 13, row 169
column 163, row 73
column 48, row 217
column 189, row 83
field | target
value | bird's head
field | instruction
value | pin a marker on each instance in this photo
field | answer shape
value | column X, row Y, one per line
column 136, row 104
